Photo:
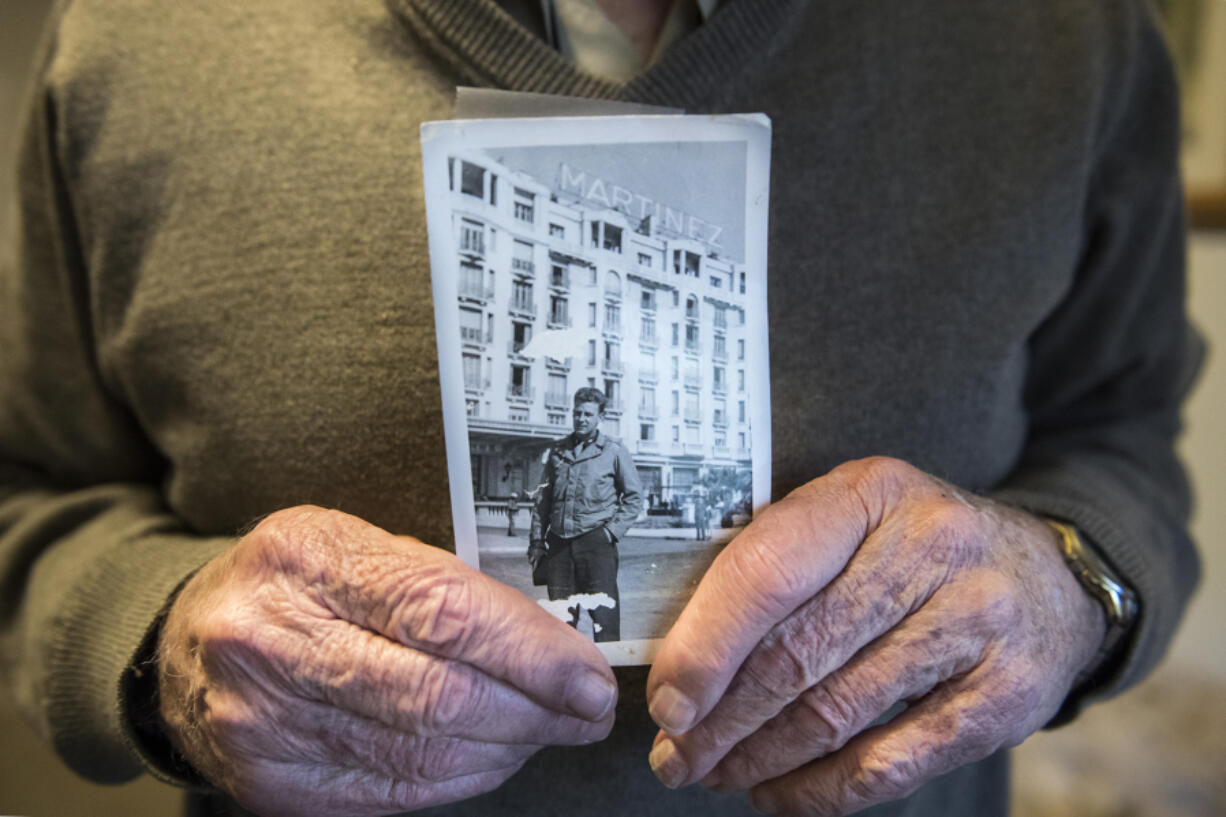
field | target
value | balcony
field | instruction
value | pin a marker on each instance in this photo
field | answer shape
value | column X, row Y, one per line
column 649, row 446
column 523, row 307
column 560, row 281
column 648, row 375
column 692, row 347
column 475, row 335
column 720, row 386
column 557, row 400
column 559, row 320
column 614, row 406
column 693, row 415
column 475, row 291
column 476, row 385
column 519, row 393
column 694, row 449
column 523, row 265
column 720, row 354
column 524, row 212
column 693, row 380
column 721, row 451
column 611, row 366
column 648, row 412
column 516, row 347
column 613, row 329
column 650, row 341
column 721, row 420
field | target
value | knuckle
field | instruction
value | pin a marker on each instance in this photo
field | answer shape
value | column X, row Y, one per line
column 781, row 666
column 827, row 718
column 882, row 775
column 442, row 698
column 439, row 759
column 438, row 609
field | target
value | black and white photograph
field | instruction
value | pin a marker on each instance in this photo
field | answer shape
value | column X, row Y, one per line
column 599, row 289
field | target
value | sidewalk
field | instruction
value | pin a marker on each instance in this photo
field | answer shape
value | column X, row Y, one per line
column 638, row 541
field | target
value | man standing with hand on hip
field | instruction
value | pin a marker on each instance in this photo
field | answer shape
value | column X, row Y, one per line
column 590, row 497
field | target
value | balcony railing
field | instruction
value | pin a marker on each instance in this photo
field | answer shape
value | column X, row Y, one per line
column 651, row 340
column 475, row 334
column 523, row 265
column 476, row 384
column 559, row 320
column 648, row 375
column 721, row 451
column 515, row 392
column 720, row 386
column 694, row 449
column 560, row 281
column 613, row 328
column 693, row 380
column 516, row 347
column 720, row 354
column 692, row 347
column 612, row 366
column 648, row 412
column 557, row 399
column 721, row 419
column 523, row 307
column 615, row 406
column 649, row 446
column 475, row 291
column 693, row 415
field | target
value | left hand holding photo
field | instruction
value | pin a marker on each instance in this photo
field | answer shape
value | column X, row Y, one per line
column 874, row 584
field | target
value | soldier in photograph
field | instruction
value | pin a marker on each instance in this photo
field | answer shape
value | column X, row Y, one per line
column 590, row 495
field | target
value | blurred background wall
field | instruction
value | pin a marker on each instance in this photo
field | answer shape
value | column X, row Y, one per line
column 1156, row 751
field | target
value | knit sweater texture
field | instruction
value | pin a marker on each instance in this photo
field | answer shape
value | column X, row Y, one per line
column 217, row 304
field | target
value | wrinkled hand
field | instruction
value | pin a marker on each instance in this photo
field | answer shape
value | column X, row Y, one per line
column 872, row 585
column 324, row 666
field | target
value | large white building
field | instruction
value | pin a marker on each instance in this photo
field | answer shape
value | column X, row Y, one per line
column 655, row 317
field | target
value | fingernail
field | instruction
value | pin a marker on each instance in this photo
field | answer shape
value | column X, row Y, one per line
column 671, row 710
column 668, row 765
column 592, row 696
column 763, row 802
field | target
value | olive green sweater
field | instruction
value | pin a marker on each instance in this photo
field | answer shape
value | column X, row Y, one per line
column 217, row 303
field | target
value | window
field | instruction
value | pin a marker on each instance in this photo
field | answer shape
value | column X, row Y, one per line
column 676, row 434
column 676, row 367
column 521, row 334
column 691, row 308
column 687, row 262
column 612, row 318
column 557, row 419
column 472, row 408
column 518, row 415
column 718, row 378
column 693, row 409
column 521, row 259
column 558, row 276
column 557, row 389
column 647, row 364
column 471, row 322
column 612, row 284
column 520, row 382
column 472, row 371
column 742, row 283
column 740, row 380
column 591, row 315
column 557, row 231
column 612, row 238
column 591, row 276
column 472, row 237
column 647, row 431
column 740, row 349
column 647, row 330
column 524, row 205
column 717, row 282
column 612, row 390
column 644, row 260
column 647, row 399
column 740, row 440
column 721, row 413
column 721, row 316
column 612, row 354
column 721, row 439
column 740, row 411
column 676, row 336
column 648, row 300
column 558, row 310
column 721, row 349
column 472, row 281
column 493, row 189
column 676, row 402
column 676, row 298
column 591, row 357
column 472, row 180
column 521, row 296
column 691, row 337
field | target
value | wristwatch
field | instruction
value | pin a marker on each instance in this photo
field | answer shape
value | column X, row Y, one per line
column 1100, row 581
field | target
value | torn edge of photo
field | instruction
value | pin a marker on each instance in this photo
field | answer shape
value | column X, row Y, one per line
column 600, row 300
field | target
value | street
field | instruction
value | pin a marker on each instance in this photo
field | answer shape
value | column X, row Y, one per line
column 656, row 575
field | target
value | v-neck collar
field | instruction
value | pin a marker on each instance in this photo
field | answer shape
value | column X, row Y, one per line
column 491, row 49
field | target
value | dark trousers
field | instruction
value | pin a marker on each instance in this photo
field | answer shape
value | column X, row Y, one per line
column 587, row 564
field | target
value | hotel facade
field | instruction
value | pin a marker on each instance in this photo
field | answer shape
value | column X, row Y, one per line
column 633, row 297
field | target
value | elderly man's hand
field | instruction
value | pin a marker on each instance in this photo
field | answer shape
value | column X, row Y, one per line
column 324, row 666
column 872, row 585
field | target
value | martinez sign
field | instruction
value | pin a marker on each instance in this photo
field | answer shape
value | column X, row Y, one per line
column 615, row 197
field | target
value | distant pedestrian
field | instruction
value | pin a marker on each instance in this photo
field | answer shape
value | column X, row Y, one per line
column 512, row 507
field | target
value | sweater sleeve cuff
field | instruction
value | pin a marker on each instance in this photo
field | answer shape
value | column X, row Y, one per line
column 102, row 658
